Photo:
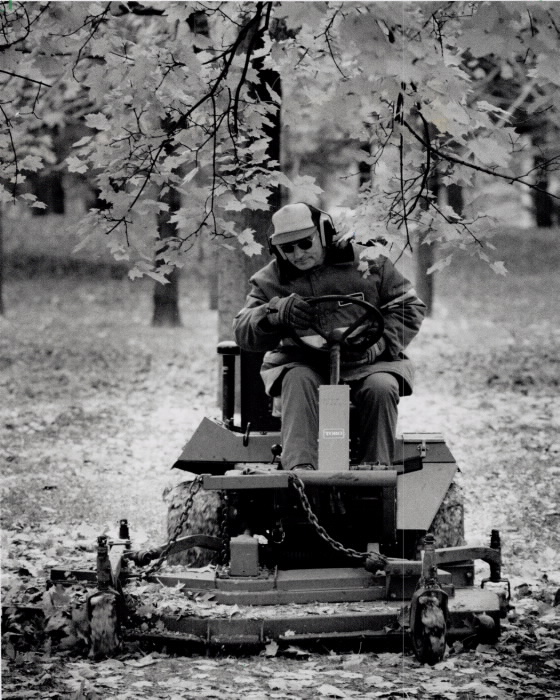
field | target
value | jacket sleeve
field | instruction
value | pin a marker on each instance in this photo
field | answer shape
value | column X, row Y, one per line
column 251, row 328
column 402, row 310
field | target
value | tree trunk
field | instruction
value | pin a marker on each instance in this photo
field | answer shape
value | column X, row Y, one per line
column 48, row 189
column 235, row 267
column 166, row 302
column 364, row 167
column 232, row 289
column 213, row 279
column 455, row 198
column 543, row 204
column 234, row 270
column 166, row 296
column 48, row 186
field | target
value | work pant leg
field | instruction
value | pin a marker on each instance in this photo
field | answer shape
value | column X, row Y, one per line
column 376, row 398
column 300, row 416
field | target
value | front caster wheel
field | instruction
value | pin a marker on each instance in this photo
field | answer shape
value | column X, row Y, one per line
column 429, row 630
column 104, row 624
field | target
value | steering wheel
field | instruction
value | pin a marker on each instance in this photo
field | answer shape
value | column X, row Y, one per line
column 364, row 332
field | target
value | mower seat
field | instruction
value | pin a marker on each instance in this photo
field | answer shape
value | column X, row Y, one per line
column 247, row 393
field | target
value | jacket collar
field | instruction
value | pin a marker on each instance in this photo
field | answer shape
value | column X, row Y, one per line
column 334, row 256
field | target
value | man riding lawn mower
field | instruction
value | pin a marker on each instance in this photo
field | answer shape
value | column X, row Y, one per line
column 326, row 504
column 287, row 315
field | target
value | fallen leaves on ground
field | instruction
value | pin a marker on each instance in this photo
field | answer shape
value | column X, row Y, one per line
column 90, row 432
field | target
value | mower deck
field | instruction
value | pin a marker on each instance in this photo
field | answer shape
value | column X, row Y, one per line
column 380, row 620
column 301, row 605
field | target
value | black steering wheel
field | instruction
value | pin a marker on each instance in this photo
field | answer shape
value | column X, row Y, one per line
column 364, row 332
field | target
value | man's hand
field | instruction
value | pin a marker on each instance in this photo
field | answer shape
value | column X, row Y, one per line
column 291, row 311
column 368, row 357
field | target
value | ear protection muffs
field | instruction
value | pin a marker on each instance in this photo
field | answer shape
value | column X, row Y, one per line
column 324, row 224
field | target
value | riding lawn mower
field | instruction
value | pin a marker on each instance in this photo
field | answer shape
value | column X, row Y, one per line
column 380, row 545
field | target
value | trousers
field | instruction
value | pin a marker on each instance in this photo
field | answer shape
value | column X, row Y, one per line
column 376, row 398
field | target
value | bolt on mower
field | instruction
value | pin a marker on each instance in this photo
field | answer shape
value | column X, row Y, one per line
column 349, row 552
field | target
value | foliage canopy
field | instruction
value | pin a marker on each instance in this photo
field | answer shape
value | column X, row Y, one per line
column 174, row 95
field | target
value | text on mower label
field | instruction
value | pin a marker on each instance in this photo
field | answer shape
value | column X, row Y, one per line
column 333, row 433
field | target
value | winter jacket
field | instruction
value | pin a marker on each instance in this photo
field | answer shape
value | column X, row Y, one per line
column 383, row 286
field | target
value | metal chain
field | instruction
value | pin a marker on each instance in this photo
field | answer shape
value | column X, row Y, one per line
column 224, row 530
column 194, row 488
column 298, row 484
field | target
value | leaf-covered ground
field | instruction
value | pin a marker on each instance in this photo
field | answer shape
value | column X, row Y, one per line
column 99, row 405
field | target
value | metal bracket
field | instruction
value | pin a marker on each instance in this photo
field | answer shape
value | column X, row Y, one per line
column 505, row 596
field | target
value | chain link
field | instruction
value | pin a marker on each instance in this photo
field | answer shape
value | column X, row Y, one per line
column 299, row 486
column 194, row 488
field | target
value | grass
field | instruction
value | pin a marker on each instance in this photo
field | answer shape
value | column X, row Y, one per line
column 525, row 295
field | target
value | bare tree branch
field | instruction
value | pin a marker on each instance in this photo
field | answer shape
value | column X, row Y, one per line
column 453, row 159
column 254, row 36
column 25, row 77
column 14, row 151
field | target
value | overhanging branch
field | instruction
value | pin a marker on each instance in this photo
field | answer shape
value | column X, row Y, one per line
column 478, row 168
column 25, row 77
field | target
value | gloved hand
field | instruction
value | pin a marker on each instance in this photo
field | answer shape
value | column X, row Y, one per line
column 367, row 357
column 291, row 311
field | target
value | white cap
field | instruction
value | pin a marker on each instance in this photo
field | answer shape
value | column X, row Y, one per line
column 291, row 223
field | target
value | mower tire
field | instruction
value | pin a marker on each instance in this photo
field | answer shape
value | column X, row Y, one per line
column 448, row 526
column 202, row 519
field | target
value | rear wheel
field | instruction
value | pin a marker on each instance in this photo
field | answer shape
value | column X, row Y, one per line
column 203, row 518
column 448, row 526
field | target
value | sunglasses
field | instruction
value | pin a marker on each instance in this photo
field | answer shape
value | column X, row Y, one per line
column 303, row 244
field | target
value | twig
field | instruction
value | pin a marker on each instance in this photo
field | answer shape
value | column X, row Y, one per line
column 453, row 222
column 403, row 198
column 181, row 122
column 14, row 151
column 519, row 100
column 25, row 77
column 426, row 173
column 95, row 22
column 328, row 40
column 256, row 20
column 478, row 168
column 151, row 169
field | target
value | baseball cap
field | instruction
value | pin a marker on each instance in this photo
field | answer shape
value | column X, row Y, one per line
column 291, row 223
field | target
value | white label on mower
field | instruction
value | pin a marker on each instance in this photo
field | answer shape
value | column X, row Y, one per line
column 337, row 434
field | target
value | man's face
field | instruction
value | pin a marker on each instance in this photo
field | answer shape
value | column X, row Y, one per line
column 302, row 256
